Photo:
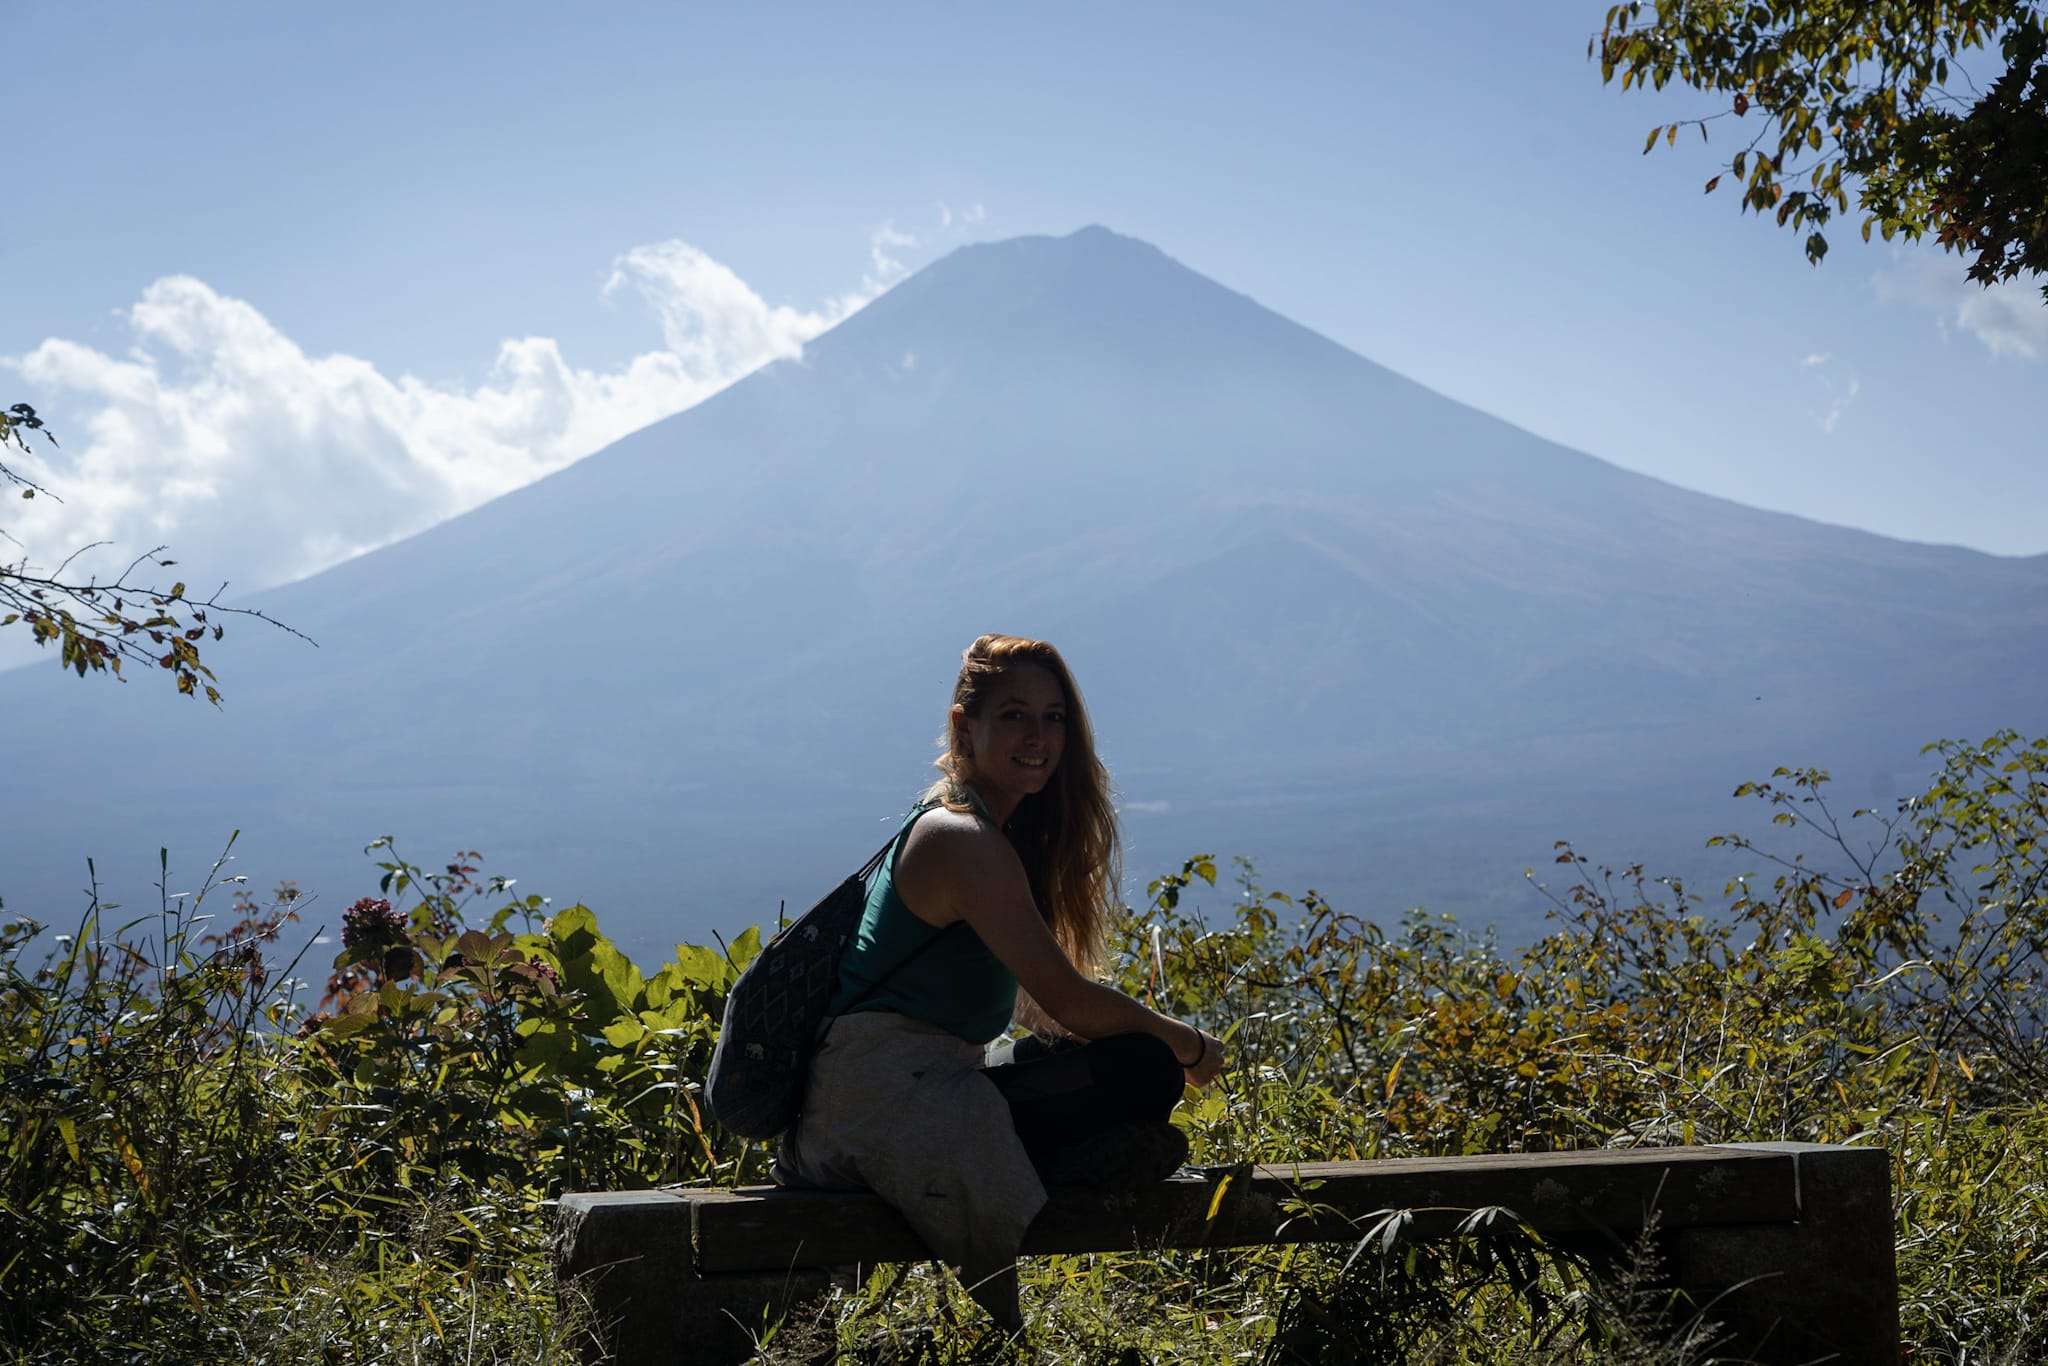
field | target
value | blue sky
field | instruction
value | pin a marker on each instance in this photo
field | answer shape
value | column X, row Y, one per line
column 292, row 281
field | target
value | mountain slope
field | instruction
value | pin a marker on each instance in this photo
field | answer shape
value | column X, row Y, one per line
column 1307, row 599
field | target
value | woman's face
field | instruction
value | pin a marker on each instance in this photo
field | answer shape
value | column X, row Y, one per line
column 1016, row 741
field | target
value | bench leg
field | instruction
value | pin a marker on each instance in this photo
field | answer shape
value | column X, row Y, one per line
column 1824, row 1289
column 638, row 1320
column 631, row 1281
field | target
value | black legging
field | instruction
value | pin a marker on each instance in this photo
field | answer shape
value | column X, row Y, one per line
column 1060, row 1091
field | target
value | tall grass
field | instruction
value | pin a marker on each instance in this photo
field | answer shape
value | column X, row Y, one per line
column 202, row 1157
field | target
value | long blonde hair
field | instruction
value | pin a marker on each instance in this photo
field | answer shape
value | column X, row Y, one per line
column 1066, row 835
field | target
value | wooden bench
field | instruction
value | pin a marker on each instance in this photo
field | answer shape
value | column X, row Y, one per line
column 1788, row 1244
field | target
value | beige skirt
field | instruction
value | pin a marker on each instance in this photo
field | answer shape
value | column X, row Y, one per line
column 901, row 1108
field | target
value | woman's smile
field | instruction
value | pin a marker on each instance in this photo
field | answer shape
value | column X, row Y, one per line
column 1016, row 742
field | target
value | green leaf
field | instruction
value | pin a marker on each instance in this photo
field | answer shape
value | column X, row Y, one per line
column 663, row 987
column 70, row 1133
column 624, row 1032
column 341, row 1026
column 621, row 978
column 705, row 967
column 574, row 931
column 747, row 947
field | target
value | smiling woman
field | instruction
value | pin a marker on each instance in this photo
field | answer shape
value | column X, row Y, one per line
column 992, row 902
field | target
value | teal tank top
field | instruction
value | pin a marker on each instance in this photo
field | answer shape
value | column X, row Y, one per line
column 956, row 984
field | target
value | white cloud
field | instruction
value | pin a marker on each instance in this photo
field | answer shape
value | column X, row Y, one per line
column 1839, row 394
column 881, row 248
column 2008, row 317
column 258, row 463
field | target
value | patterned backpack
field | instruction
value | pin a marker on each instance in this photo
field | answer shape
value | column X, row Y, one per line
column 779, row 1006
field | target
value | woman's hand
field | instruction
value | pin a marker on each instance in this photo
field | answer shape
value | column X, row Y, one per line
column 1204, row 1064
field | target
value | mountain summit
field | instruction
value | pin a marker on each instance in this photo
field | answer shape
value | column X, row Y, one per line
column 1377, row 639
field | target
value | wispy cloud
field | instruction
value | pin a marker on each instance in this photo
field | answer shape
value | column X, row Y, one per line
column 1840, row 392
column 712, row 323
column 882, row 249
column 1840, row 405
column 2009, row 318
column 259, row 463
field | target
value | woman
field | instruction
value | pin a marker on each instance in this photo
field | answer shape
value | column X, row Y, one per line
column 990, row 908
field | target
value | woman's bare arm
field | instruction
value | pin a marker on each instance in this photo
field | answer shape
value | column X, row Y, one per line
column 1031, row 1017
column 954, row 867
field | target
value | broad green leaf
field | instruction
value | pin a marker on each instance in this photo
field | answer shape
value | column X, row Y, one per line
column 706, row 967
column 624, row 1033
column 747, row 947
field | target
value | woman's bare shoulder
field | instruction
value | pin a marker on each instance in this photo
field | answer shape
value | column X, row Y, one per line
column 959, row 849
column 949, row 858
column 944, row 835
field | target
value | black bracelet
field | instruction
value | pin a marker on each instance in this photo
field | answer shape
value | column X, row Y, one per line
column 1201, row 1051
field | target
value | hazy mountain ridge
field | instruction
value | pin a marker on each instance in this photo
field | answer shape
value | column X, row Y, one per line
column 1275, row 565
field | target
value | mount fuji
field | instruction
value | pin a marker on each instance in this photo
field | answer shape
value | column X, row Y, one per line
column 1378, row 641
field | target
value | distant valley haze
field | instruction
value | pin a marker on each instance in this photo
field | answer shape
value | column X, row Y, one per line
column 1377, row 641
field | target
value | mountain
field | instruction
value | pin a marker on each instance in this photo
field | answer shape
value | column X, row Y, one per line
column 1377, row 640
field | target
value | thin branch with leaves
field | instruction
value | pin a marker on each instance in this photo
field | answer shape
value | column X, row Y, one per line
column 99, row 626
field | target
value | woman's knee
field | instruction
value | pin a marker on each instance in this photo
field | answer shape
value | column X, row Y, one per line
column 1142, row 1067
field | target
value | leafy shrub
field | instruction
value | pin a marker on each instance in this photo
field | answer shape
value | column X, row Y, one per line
column 141, row 1130
column 198, row 1163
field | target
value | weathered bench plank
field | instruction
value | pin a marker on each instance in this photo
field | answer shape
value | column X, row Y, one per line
column 760, row 1228
column 1788, row 1245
